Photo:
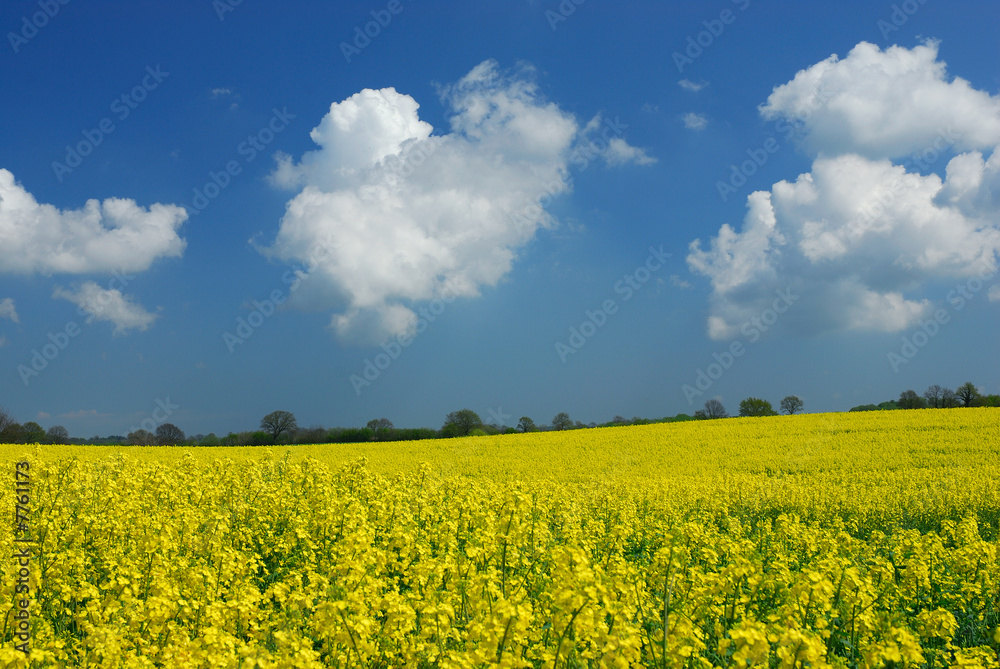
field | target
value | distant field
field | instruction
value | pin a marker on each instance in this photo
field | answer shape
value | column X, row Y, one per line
column 864, row 539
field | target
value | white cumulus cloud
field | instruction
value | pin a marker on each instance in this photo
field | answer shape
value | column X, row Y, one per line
column 116, row 234
column 108, row 304
column 885, row 104
column 861, row 240
column 388, row 215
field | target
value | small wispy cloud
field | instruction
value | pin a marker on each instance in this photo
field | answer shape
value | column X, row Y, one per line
column 220, row 92
column 689, row 85
column 620, row 152
column 108, row 305
column 8, row 311
column 678, row 282
column 694, row 121
column 84, row 413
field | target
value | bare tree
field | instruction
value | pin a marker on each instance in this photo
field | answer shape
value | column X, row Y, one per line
column 277, row 423
column 714, row 409
column 57, row 434
column 934, row 396
column 9, row 428
column 791, row 404
column 949, row 399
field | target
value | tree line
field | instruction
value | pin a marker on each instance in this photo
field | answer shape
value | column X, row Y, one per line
column 281, row 427
column 936, row 397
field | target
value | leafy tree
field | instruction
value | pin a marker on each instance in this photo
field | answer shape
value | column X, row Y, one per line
column 968, row 394
column 461, row 423
column 909, row 399
column 141, row 438
column 277, row 423
column 991, row 401
column 169, row 434
column 57, row 434
column 258, row 438
column 381, row 428
column 477, row 433
column 754, row 406
column 210, row 440
column 32, row 433
column 791, row 404
column 526, row 425
column 865, row 407
column 561, row 421
column 934, row 396
column 714, row 409
column 700, row 415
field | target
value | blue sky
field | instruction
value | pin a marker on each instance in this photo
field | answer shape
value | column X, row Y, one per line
column 520, row 208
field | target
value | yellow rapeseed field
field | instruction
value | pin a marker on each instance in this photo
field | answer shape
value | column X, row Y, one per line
column 847, row 540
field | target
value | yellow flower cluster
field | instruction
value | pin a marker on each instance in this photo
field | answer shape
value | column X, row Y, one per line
column 844, row 540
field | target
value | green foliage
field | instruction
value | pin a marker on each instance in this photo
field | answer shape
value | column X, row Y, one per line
column 352, row 435
column 260, row 438
column 461, row 423
column 909, row 399
column 968, row 394
column 755, row 406
column 210, row 440
column 561, row 421
column 32, row 433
